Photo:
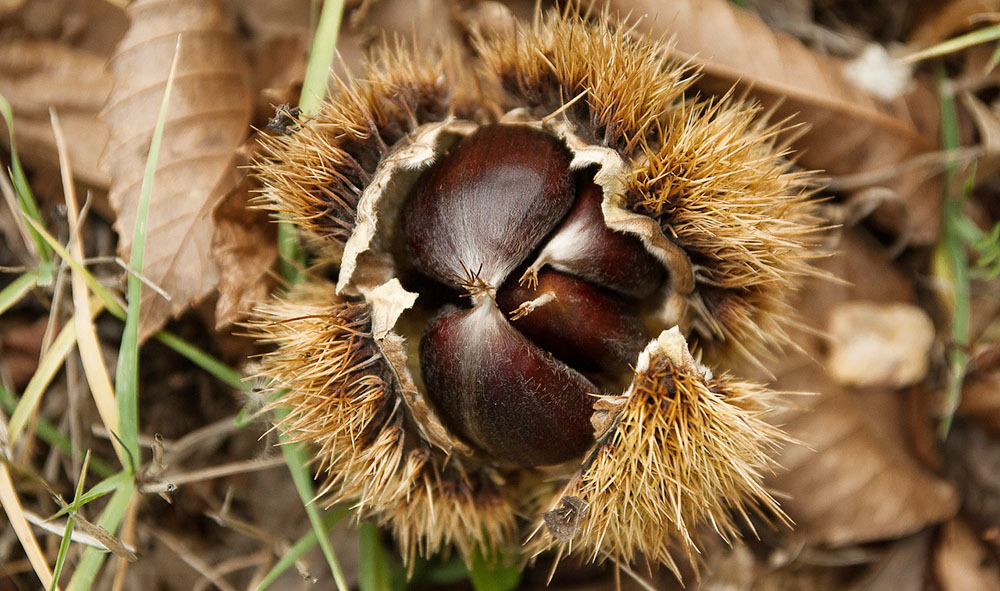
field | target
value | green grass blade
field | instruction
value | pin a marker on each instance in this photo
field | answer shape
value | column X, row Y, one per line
column 321, row 54
column 374, row 571
column 63, row 551
column 68, row 532
column 324, row 46
column 20, row 180
column 953, row 256
column 303, row 545
column 127, row 376
column 17, row 289
column 298, row 465
column 984, row 35
column 93, row 558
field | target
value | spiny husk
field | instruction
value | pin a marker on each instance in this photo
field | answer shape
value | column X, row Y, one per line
column 335, row 381
column 727, row 195
column 624, row 84
column 314, row 176
column 447, row 506
column 680, row 448
column 340, row 397
column 684, row 449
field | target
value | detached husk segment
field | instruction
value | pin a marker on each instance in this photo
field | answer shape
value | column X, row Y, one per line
column 701, row 185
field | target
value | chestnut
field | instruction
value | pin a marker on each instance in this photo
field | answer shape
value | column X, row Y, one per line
column 585, row 246
column 486, row 204
column 590, row 328
column 502, row 392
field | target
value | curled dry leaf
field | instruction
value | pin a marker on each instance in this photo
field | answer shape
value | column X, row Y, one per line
column 962, row 562
column 848, row 132
column 207, row 120
column 852, row 479
column 35, row 75
column 245, row 249
column 879, row 344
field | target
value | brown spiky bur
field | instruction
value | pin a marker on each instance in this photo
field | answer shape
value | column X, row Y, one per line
column 713, row 174
column 336, row 379
column 453, row 403
column 680, row 448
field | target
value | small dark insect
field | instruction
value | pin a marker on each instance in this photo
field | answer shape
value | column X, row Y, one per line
column 285, row 119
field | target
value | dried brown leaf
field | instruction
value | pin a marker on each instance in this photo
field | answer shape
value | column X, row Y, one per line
column 850, row 481
column 853, row 479
column 962, row 562
column 245, row 249
column 207, row 121
column 848, row 131
column 36, row 75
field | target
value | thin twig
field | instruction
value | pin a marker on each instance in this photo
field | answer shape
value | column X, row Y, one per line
column 220, row 471
column 58, row 528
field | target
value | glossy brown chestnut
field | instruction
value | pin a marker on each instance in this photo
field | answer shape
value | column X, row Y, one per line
column 585, row 246
column 586, row 326
column 487, row 203
column 502, row 392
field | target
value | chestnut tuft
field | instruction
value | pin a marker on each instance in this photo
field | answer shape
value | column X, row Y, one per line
column 508, row 220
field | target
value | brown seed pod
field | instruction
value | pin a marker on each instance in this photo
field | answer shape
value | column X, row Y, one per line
column 446, row 396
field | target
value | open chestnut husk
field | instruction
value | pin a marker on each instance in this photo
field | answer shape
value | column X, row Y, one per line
column 514, row 260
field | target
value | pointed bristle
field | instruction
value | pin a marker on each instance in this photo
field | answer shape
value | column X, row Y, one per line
column 334, row 380
column 447, row 506
column 686, row 450
column 431, row 503
column 338, row 391
column 629, row 83
column 314, row 175
column 728, row 197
